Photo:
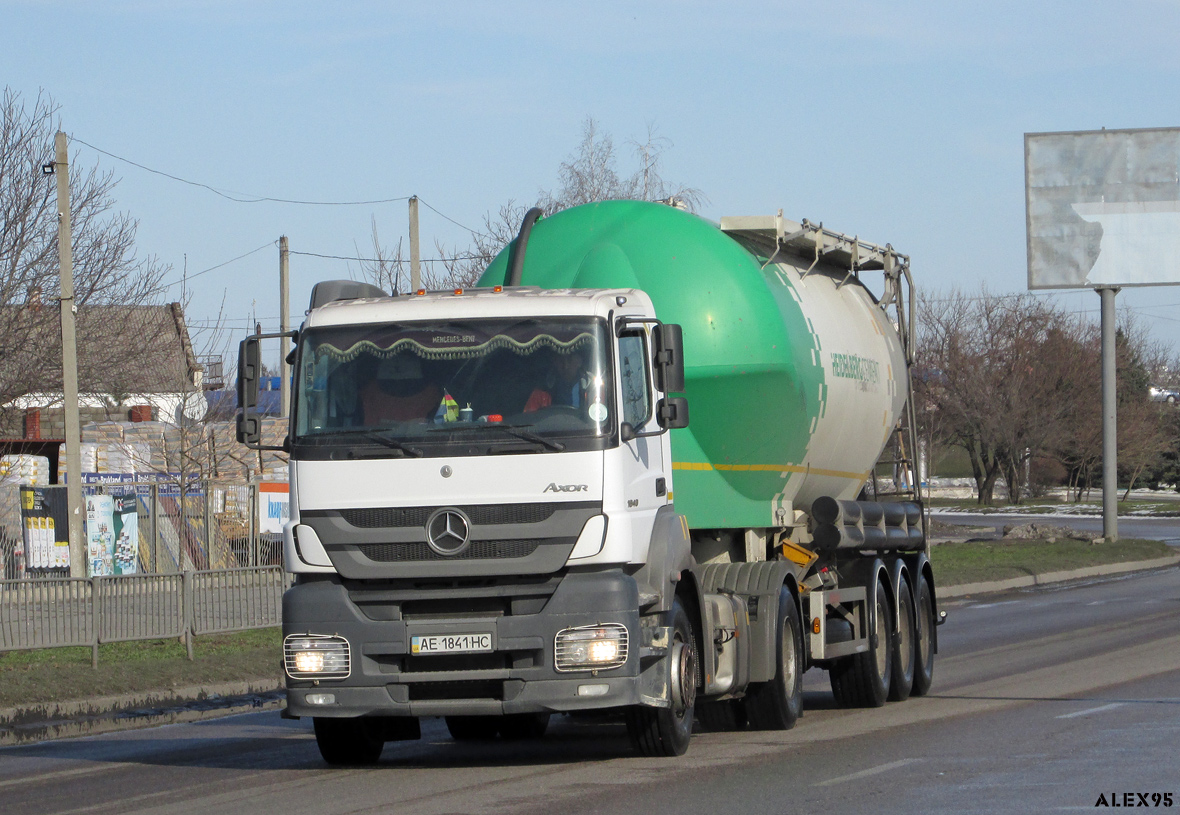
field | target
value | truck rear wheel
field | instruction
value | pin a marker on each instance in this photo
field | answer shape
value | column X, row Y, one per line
column 473, row 728
column 923, row 639
column 903, row 648
column 665, row 731
column 863, row 680
column 349, row 742
column 777, row 704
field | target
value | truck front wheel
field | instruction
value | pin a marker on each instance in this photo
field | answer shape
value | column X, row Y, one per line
column 665, row 731
column 349, row 742
column 777, row 704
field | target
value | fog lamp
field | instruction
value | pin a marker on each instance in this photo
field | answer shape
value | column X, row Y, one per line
column 591, row 647
column 316, row 656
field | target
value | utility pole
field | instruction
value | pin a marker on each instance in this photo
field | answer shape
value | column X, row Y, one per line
column 415, row 265
column 1110, row 440
column 69, row 360
column 285, row 322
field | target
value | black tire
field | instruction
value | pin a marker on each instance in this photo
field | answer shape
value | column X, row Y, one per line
column 904, row 651
column 666, row 731
column 923, row 639
column 722, row 717
column 349, row 742
column 862, row 680
column 520, row 726
column 778, row 704
column 473, row 728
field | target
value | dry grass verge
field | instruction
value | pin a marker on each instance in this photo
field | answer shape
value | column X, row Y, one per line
column 58, row 674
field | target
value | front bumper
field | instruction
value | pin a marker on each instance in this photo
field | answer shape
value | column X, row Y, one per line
column 517, row 676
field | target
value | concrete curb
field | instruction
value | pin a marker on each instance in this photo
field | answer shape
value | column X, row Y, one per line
column 992, row 586
column 104, row 714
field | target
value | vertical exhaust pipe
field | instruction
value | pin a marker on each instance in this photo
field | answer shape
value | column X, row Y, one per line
column 516, row 259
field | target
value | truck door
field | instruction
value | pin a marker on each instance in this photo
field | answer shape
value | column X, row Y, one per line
column 643, row 461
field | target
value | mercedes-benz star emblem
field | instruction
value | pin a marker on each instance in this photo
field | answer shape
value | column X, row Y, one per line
column 448, row 531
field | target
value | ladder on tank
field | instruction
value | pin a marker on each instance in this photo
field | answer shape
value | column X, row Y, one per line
column 901, row 451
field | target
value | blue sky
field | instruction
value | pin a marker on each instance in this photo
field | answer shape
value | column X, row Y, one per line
column 900, row 122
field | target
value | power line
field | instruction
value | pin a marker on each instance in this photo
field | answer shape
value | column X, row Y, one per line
column 452, row 220
column 210, row 269
column 390, row 260
column 240, row 197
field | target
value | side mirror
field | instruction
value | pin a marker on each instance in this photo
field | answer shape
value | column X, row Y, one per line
column 672, row 412
column 249, row 430
column 669, row 358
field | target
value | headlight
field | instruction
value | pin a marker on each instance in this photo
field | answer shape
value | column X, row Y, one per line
column 316, row 656
column 591, row 647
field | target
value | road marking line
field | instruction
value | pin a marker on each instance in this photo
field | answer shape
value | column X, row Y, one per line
column 26, row 780
column 993, row 605
column 1091, row 710
column 884, row 768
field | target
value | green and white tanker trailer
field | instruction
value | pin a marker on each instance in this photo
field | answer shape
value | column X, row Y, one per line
column 500, row 509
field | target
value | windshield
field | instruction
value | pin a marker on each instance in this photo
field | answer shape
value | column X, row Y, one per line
column 471, row 387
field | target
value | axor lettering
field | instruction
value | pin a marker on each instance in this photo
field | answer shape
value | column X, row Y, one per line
column 566, row 488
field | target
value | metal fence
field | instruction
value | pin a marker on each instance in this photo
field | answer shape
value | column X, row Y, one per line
column 216, row 524
column 57, row 612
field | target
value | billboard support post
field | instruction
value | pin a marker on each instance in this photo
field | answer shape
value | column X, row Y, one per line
column 1110, row 444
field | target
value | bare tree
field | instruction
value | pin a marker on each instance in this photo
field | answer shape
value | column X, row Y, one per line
column 587, row 175
column 1002, row 376
column 106, row 268
column 386, row 268
column 1012, row 377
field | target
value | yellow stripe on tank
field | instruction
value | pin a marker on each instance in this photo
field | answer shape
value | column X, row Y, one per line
column 771, row 468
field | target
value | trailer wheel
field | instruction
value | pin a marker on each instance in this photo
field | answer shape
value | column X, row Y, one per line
column 473, row 728
column 349, row 742
column 722, row 717
column 519, row 726
column 665, row 731
column 777, row 704
column 862, row 680
column 924, row 639
column 904, row 652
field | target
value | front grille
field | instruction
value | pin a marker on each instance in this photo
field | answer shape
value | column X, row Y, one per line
column 481, row 515
column 478, row 550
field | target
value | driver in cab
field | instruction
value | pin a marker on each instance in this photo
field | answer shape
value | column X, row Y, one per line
column 398, row 392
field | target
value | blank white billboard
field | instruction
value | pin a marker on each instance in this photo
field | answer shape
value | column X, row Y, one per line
column 1103, row 208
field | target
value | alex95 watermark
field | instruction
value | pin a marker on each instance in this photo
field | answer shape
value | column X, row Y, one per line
column 1134, row 799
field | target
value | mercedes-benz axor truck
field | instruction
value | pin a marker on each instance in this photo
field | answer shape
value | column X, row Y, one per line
column 501, row 510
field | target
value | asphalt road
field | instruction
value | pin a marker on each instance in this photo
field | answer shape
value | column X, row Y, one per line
column 1044, row 700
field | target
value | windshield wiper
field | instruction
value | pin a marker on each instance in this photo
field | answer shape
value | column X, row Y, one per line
column 512, row 430
column 376, row 436
column 394, row 444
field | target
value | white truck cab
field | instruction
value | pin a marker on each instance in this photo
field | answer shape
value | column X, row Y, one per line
column 477, row 478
